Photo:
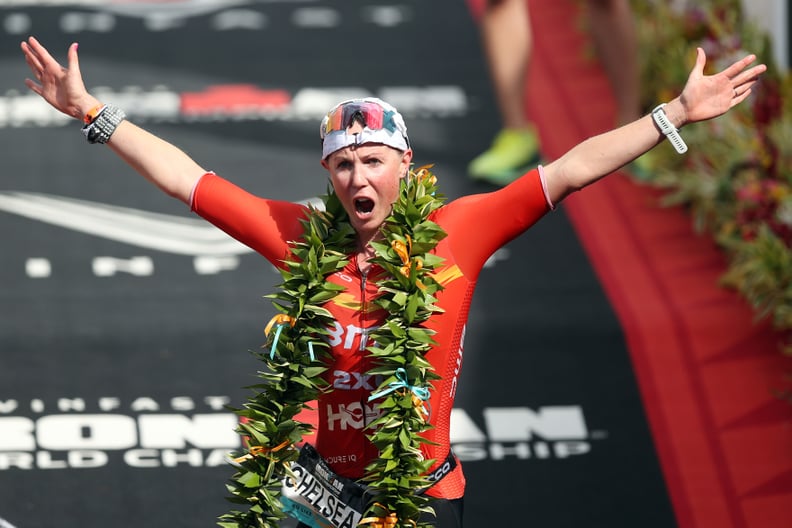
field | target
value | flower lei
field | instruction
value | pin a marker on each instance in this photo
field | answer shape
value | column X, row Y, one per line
column 297, row 355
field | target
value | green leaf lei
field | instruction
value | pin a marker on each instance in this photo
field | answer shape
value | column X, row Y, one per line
column 297, row 355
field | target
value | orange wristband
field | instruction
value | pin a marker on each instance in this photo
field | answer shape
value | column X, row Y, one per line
column 93, row 113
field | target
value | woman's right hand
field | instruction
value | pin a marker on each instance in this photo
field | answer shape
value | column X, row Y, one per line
column 163, row 164
column 61, row 87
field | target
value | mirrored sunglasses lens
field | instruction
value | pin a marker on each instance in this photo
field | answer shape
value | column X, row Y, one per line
column 342, row 117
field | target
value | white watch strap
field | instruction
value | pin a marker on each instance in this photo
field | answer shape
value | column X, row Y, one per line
column 668, row 129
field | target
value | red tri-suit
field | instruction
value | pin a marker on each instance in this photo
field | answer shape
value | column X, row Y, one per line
column 477, row 225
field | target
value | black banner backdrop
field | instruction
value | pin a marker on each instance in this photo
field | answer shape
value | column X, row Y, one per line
column 127, row 323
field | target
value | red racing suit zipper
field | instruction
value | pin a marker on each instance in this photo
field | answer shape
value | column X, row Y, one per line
column 366, row 446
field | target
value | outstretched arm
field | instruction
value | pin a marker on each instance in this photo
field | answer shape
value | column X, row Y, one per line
column 703, row 97
column 168, row 167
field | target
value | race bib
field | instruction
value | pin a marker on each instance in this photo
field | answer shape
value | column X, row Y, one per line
column 320, row 498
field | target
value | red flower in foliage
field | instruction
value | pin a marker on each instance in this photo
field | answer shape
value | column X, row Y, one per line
column 767, row 102
column 759, row 203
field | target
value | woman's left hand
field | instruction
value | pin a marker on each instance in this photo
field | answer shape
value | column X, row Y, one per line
column 708, row 96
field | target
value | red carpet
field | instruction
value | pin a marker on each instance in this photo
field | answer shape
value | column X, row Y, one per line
column 709, row 374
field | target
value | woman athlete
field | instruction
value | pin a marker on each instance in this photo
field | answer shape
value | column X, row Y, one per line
column 366, row 151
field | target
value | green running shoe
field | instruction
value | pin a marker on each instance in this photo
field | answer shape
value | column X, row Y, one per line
column 513, row 151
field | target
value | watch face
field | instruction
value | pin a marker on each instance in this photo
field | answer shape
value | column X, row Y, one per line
column 668, row 129
column 662, row 121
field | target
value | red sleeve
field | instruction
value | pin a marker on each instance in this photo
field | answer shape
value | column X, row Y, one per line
column 479, row 224
column 266, row 226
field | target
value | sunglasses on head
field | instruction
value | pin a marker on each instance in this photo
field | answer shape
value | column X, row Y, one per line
column 370, row 114
column 381, row 124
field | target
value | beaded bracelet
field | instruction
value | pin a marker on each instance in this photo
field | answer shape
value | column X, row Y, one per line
column 103, row 126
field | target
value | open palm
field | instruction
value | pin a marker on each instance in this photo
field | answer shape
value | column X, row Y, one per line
column 708, row 96
column 61, row 87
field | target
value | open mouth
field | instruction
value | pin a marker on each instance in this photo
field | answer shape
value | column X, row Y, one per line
column 364, row 205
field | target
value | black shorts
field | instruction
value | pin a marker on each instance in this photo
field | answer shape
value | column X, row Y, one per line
column 448, row 514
